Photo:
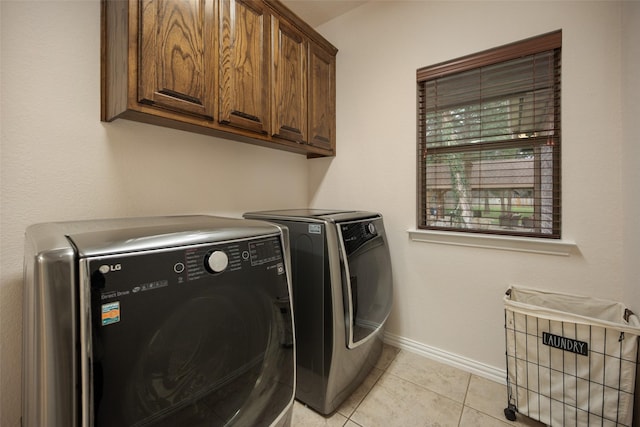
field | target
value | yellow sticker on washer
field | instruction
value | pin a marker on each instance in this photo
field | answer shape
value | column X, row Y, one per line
column 110, row 313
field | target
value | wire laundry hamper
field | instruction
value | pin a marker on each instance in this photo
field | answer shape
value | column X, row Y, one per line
column 571, row 360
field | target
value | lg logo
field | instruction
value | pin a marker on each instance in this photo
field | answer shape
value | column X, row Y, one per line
column 106, row 268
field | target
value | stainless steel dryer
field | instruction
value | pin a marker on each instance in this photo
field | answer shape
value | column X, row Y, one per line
column 170, row 321
column 342, row 296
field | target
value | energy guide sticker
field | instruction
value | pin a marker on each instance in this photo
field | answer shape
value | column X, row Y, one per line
column 110, row 313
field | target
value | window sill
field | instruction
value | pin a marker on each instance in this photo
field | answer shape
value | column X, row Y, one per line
column 486, row 241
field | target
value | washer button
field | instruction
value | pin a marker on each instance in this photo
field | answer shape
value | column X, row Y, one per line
column 178, row 267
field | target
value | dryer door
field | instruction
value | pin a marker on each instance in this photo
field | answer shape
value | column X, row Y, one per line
column 366, row 278
column 191, row 336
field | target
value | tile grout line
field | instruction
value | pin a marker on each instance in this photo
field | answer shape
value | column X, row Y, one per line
column 464, row 400
column 370, row 389
column 360, row 403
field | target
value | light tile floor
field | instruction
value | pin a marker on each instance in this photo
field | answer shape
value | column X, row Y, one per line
column 408, row 390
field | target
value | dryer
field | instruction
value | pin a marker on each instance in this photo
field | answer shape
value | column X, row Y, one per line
column 166, row 321
column 342, row 296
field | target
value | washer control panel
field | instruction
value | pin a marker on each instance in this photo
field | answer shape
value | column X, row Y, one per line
column 215, row 259
column 118, row 280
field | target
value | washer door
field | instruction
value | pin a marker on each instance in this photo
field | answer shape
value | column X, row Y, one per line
column 176, row 343
column 366, row 278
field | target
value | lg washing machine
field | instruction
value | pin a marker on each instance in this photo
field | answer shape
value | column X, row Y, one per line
column 171, row 321
column 342, row 296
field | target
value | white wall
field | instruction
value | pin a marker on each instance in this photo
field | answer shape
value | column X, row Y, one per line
column 59, row 162
column 449, row 297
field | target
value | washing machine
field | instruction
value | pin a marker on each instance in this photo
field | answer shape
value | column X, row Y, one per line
column 158, row 322
column 342, row 296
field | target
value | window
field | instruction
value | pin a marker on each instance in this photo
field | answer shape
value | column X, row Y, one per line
column 489, row 141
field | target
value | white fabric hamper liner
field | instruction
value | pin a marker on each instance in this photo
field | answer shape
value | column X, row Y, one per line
column 571, row 360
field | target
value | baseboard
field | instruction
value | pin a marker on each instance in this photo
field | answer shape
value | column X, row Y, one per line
column 489, row 372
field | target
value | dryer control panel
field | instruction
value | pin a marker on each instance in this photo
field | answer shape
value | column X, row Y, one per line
column 355, row 234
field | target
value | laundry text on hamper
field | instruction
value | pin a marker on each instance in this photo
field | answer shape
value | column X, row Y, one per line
column 566, row 344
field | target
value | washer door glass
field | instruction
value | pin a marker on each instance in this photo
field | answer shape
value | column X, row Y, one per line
column 366, row 278
column 176, row 344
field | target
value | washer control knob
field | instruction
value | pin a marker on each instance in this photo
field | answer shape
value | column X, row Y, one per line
column 372, row 228
column 217, row 261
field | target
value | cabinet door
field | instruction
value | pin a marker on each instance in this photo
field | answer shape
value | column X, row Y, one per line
column 244, row 64
column 177, row 64
column 289, row 72
column 322, row 98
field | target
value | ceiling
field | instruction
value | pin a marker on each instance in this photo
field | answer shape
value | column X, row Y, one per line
column 317, row 12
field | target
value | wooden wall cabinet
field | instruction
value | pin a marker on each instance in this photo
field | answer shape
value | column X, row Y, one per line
column 177, row 71
column 290, row 118
column 322, row 108
column 244, row 65
column 248, row 70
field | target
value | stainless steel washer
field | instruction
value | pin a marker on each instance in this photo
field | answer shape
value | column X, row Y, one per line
column 342, row 296
column 168, row 321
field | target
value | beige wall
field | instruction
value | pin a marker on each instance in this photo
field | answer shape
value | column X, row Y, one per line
column 59, row 162
column 449, row 298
